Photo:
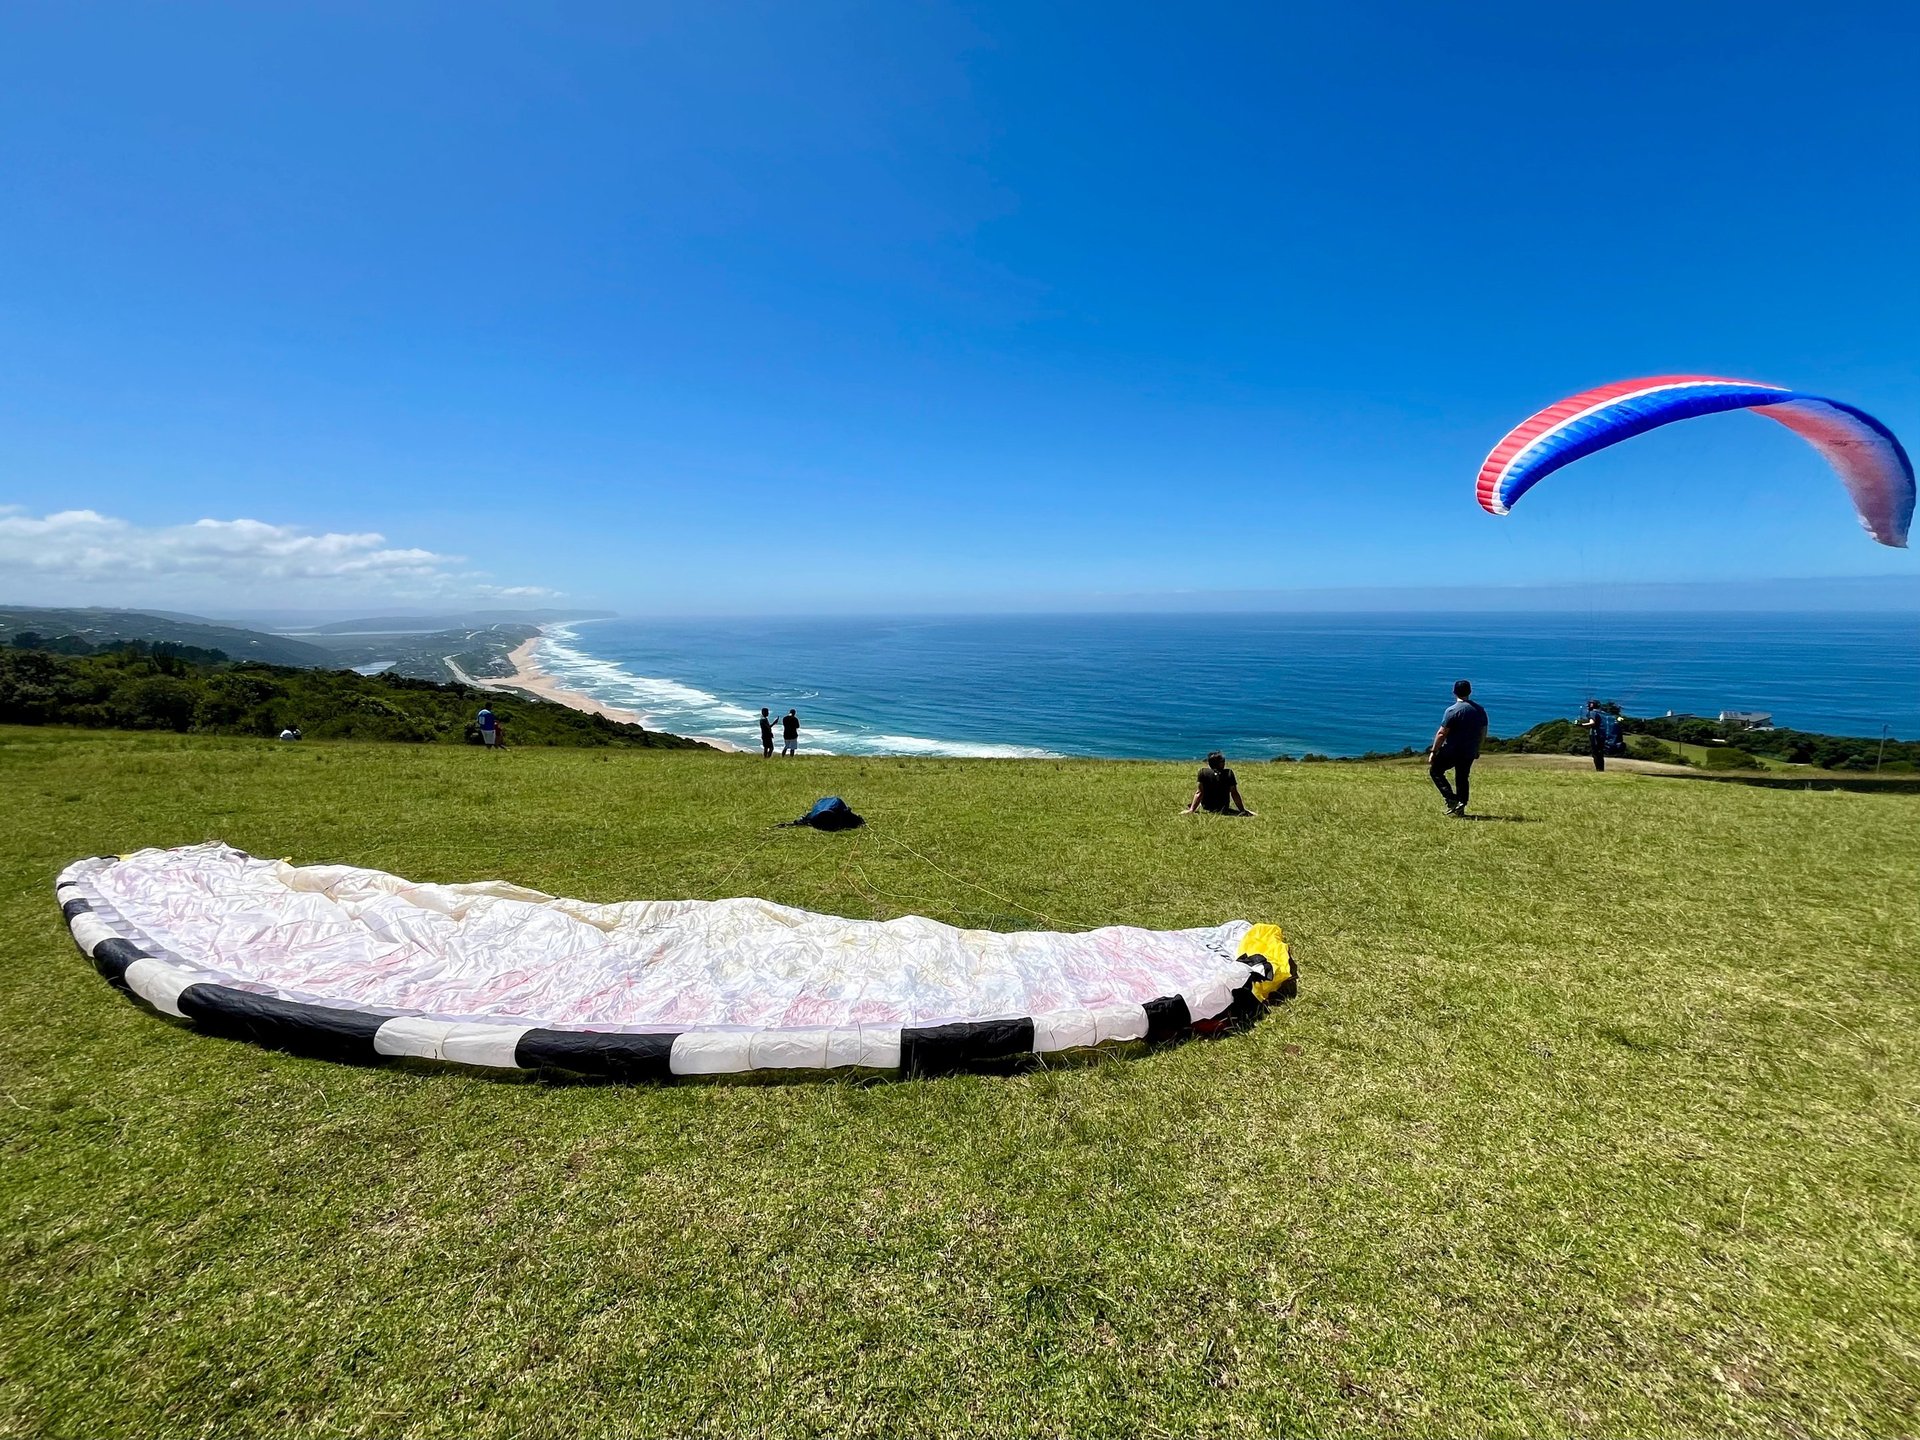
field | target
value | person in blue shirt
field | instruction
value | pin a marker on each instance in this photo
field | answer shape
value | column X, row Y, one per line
column 1456, row 745
column 489, row 728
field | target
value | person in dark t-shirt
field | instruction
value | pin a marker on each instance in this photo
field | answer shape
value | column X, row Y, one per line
column 1456, row 745
column 789, row 732
column 1594, row 723
column 1218, row 792
column 766, row 733
column 1602, row 724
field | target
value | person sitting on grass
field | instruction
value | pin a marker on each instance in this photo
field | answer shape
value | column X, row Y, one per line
column 1218, row 792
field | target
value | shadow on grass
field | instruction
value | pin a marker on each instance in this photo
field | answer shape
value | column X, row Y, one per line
column 1862, row 784
column 1502, row 819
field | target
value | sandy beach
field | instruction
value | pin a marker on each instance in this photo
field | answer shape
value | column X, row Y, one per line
column 527, row 675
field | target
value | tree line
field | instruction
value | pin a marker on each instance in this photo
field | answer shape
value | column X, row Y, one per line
column 1728, row 746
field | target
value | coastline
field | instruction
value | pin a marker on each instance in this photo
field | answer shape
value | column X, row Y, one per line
column 1101, row 687
column 527, row 675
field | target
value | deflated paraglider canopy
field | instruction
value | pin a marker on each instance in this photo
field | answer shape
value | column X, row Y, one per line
column 830, row 812
column 1864, row 453
column 357, row 964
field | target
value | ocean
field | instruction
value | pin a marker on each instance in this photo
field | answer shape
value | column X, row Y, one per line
column 1254, row 685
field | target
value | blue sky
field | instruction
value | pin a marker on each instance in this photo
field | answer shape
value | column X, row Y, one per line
column 734, row 307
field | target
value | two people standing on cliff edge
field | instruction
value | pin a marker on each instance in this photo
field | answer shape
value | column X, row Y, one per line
column 789, row 733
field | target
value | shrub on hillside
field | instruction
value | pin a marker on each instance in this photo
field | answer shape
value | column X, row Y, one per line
column 230, row 703
column 1728, row 757
column 1551, row 737
column 1691, row 729
column 154, row 702
column 1645, row 747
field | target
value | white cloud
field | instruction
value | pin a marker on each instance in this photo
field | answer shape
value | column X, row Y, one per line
column 82, row 550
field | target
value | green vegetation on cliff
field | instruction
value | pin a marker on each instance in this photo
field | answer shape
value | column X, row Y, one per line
column 106, row 628
column 140, row 687
column 1721, row 745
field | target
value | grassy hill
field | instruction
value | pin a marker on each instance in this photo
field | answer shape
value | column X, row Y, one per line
column 1600, row 1116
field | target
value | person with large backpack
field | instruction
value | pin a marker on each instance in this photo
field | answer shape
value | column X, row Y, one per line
column 1612, row 737
column 1603, row 734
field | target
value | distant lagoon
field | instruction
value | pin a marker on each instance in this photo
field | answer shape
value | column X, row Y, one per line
column 1255, row 685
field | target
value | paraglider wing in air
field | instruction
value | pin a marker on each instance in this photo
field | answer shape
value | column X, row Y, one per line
column 1864, row 453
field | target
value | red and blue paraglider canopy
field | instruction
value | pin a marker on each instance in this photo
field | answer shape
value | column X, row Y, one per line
column 1864, row 453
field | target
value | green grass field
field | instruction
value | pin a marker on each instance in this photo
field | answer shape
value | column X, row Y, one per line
column 1601, row 1116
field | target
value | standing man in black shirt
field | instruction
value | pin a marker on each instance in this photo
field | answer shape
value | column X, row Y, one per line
column 789, row 732
column 1456, row 745
column 1219, row 792
column 766, row 734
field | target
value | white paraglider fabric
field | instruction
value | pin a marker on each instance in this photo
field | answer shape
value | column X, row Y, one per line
column 498, row 953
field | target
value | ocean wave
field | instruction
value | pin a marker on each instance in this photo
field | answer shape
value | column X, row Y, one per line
column 956, row 749
column 682, row 709
column 609, row 681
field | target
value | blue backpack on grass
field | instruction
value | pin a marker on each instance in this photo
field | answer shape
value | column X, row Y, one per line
column 830, row 812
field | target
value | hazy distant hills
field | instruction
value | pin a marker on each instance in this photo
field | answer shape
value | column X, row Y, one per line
column 425, row 624
column 470, row 646
column 99, row 626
